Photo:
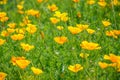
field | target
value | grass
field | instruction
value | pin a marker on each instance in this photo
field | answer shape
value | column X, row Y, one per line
column 53, row 58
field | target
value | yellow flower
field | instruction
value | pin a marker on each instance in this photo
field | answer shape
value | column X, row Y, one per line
column 33, row 12
column 57, row 14
column 4, row 33
column 25, row 21
column 20, row 30
column 84, row 55
column 26, row 47
column 90, row 31
column 22, row 63
column 64, row 17
column 54, row 20
column 103, row 65
column 52, row 7
column 106, row 23
column 2, row 75
column 74, row 30
column 75, row 68
column 36, row 70
column 89, row 45
column 75, row 1
column 14, row 59
column 2, row 41
column 3, row 17
column 20, row 7
column 3, row 1
column 12, row 25
column 31, row 28
column 115, row 2
column 9, row 30
column 61, row 40
column 111, row 33
column 17, row 37
column 90, row 2
column 60, row 27
column 102, row 3
column 82, row 26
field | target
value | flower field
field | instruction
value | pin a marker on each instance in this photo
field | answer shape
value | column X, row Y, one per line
column 59, row 40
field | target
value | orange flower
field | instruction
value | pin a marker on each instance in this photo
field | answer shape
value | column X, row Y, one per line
column 113, row 58
column 111, row 33
column 89, row 45
column 75, row 1
column 2, row 75
column 36, row 70
column 4, row 33
column 75, row 68
column 103, row 65
column 39, row 1
column 60, row 40
column 20, row 61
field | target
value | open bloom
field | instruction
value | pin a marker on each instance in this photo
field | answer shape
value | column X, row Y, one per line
column 114, row 61
column 31, row 28
column 26, row 47
column 2, row 41
column 74, row 30
column 12, row 25
column 54, row 20
column 75, row 68
column 52, row 7
column 106, row 23
column 3, row 17
column 90, row 31
column 33, row 12
column 17, row 37
column 103, row 65
column 36, row 71
column 61, row 40
column 113, row 33
column 102, row 3
column 89, row 45
column 2, row 75
column 20, row 61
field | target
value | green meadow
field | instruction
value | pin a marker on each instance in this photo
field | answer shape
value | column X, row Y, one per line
column 59, row 40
